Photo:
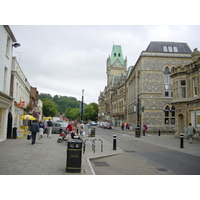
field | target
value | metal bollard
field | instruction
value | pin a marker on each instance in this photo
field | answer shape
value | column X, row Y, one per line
column 159, row 132
column 181, row 139
column 114, row 142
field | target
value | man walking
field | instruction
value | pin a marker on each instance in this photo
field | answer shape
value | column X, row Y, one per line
column 34, row 128
column 49, row 128
column 89, row 128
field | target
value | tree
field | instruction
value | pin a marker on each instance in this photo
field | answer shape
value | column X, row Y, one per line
column 67, row 111
column 44, row 96
column 49, row 108
column 89, row 112
column 74, row 114
column 64, row 104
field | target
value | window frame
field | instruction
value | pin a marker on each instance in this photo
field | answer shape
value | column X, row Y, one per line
column 183, row 94
column 194, row 86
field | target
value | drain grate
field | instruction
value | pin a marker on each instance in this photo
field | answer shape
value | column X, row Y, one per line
column 131, row 151
column 99, row 163
column 162, row 169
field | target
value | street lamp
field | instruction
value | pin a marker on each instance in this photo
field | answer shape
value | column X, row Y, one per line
column 16, row 44
column 82, row 105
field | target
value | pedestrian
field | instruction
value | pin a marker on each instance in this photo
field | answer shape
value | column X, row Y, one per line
column 81, row 129
column 69, row 128
column 130, row 127
column 41, row 128
column 89, row 127
column 122, row 126
column 49, row 128
column 75, row 126
column 190, row 131
column 73, row 133
column 34, row 128
column 127, row 126
column 145, row 127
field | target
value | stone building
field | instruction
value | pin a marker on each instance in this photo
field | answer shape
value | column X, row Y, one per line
column 186, row 90
column 149, row 86
column 110, row 100
column 143, row 93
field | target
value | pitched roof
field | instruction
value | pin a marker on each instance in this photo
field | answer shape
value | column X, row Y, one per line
column 117, row 79
column 168, row 47
column 116, row 54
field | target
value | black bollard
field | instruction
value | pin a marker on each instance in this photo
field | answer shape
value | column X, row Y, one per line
column 159, row 132
column 114, row 142
column 181, row 140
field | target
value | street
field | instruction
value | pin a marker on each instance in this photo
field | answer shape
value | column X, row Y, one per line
column 144, row 158
column 148, row 155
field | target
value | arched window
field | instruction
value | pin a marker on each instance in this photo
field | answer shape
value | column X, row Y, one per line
column 167, row 110
column 166, row 70
column 167, row 83
column 173, row 115
column 169, row 115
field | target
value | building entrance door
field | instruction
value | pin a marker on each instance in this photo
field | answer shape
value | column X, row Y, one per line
column 180, row 124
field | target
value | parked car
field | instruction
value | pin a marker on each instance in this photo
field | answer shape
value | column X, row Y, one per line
column 106, row 125
column 57, row 127
column 101, row 124
column 93, row 123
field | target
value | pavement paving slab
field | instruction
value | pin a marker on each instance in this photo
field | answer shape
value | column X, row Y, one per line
column 47, row 157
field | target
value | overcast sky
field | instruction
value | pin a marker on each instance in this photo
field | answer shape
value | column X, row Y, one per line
column 64, row 59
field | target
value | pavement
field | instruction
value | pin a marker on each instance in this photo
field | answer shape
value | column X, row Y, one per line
column 47, row 157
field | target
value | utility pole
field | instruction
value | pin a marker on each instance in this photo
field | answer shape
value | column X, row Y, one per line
column 82, row 105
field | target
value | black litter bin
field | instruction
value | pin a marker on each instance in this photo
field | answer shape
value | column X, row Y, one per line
column 74, row 155
column 14, row 135
column 137, row 132
column 92, row 132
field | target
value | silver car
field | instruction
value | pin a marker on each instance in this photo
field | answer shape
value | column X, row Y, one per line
column 58, row 127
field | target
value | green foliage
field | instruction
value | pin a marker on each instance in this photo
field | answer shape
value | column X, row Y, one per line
column 91, row 112
column 69, row 106
column 49, row 107
column 74, row 113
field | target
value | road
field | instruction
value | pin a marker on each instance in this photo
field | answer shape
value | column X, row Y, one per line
column 144, row 158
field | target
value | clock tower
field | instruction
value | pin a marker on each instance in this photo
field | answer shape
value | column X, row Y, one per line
column 116, row 64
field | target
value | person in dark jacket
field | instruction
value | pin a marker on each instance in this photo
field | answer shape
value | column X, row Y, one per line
column 34, row 128
column 122, row 126
column 49, row 128
column 41, row 128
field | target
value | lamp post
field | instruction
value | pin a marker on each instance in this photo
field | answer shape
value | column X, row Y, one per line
column 82, row 105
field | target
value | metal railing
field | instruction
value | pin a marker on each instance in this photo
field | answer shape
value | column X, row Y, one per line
column 93, row 144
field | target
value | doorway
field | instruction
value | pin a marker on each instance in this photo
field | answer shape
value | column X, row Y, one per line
column 181, row 126
column 9, row 126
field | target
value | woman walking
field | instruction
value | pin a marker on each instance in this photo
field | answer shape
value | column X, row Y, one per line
column 190, row 131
